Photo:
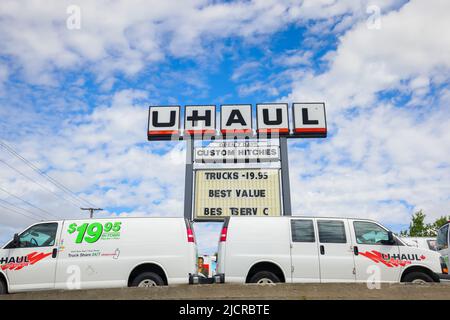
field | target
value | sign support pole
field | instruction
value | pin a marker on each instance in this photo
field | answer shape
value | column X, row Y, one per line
column 188, row 178
column 285, row 182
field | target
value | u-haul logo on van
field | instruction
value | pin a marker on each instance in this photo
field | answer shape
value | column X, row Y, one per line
column 17, row 263
column 394, row 260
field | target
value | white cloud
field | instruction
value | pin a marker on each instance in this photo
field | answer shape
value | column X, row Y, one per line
column 127, row 36
column 411, row 43
column 294, row 58
column 245, row 69
column 380, row 159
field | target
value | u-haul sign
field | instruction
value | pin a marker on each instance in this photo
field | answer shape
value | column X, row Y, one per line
column 272, row 119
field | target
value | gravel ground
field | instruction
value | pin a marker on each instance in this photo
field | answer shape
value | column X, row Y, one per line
column 231, row 291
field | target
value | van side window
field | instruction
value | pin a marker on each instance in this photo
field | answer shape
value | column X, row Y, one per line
column 302, row 231
column 331, row 231
column 442, row 238
column 432, row 244
column 370, row 233
column 40, row 235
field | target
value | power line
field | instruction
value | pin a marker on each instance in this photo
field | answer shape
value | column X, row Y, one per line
column 12, row 210
column 28, row 203
column 39, row 184
column 40, row 172
column 23, row 209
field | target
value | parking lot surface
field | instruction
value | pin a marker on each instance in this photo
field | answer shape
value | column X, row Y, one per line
column 230, row 291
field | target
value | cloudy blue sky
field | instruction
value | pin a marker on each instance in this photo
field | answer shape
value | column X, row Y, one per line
column 73, row 101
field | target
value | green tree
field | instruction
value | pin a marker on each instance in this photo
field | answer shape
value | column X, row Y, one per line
column 418, row 227
column 440, row 222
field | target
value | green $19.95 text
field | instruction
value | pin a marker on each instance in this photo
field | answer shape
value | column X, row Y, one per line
column 92, row 232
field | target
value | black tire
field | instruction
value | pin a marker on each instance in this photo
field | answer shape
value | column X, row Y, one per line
column 417, row 276
column 264, row 275
column 3, row 288
column 151, row 277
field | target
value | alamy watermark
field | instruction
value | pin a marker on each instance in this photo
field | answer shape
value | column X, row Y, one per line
column 374, row 279
column 73, row 21
column 74, row 279
column 374, row 19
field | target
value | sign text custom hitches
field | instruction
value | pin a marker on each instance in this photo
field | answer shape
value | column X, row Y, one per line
column 232, row 151
column 236, row 192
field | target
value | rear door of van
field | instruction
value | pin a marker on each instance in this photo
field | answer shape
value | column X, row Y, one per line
column 304, row 252
column 335, row 250
column 32, row 265
column 192, row 247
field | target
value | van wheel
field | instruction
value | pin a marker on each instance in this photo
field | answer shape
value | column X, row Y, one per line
column 3, row 289
column 146, row 280
column 418, row 278
column 264, row 277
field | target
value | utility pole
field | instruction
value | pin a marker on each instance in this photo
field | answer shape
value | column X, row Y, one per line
column 91, row 210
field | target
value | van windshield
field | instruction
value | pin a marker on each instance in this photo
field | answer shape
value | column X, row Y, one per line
column 442, row 238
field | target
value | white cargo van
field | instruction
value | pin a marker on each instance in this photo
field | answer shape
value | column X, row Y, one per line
column 311, row 249
column 99, row 253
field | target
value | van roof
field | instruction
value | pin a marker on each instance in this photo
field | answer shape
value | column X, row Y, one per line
column 308, row 217
column 107, row 218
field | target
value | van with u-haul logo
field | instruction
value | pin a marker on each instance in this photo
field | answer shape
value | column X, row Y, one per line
column 311, row 249
column 99, row 253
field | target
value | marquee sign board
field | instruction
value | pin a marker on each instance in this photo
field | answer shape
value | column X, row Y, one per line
column 221, row 193
column 272, row 119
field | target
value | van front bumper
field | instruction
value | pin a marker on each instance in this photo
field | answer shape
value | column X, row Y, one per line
column 444, row 276
column 196, row 279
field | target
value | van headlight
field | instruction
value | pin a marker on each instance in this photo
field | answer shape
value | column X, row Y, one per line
column 444, row 266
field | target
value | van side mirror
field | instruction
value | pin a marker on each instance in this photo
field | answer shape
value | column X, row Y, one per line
column 391, row 237
column 390, row 240
column 16, row 241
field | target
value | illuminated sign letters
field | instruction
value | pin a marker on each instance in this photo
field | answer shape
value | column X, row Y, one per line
column 272, row 119
column 163, row 122
column 309, row 120
column 200, row 120
column 236, row 119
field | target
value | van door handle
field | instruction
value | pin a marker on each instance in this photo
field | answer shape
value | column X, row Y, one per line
column 54, row 253
column 355, row 250
column 322, row 249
